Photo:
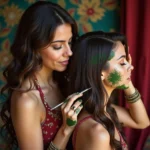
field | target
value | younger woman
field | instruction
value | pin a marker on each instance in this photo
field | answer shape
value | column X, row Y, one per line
column 104, row 65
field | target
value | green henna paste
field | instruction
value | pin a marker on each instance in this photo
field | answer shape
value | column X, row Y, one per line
column 77, row 111
column 95, row 58
column 70, row 122
column 123, row 87
column 80, row 100
column 112, row 54
column 114, row 77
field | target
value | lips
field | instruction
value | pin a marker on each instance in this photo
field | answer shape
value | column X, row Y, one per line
column 65, row 62
column 129, row 78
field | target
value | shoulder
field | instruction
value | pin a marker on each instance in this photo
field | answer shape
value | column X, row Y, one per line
column 26, row 119
column 24, row 101
column 98, row 133
column 94, row 132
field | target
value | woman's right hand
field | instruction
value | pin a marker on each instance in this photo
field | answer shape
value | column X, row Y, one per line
column 70, row 110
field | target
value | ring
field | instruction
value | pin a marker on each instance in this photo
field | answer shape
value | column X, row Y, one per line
column 73, row 107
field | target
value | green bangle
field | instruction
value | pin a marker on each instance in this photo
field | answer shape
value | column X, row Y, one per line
column 133, row 97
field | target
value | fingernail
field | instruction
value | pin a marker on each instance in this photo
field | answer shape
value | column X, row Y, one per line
column 77, row 111
column 66, row 100
column 81, row 105
column 80, row 100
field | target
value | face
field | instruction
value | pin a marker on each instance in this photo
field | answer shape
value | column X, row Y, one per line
column 56, row 55
column 118, row 72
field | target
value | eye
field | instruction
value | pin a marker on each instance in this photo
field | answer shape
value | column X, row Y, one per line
column 122, row 64
column 57, row 47
column 70, row 43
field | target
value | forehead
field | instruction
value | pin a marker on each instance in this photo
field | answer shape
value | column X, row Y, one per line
column 63, row 32
column 119, row 50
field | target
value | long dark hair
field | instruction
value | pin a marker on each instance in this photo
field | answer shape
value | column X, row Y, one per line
column 35, row 31
column 91, row 53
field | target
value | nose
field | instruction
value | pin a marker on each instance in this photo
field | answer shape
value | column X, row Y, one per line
column 130, row 68
column 68, row 51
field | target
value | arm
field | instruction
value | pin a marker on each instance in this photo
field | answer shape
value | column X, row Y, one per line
column 135, row 116
column 26, row 118
column 25, row 115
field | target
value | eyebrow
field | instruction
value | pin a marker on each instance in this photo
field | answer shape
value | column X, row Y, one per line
column 60, row 40
column 123, row 56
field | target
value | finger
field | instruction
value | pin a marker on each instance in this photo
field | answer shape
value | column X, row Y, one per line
column 71, row 101
column 78, row 110
column 70, row 113
column 72, row 120
column 71, row 95
column 130, row 59
column 73, row 108
column 64, row 104
column 68, row 99
column 76, row 104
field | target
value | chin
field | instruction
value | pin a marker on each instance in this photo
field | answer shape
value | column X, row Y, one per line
column 61, row 69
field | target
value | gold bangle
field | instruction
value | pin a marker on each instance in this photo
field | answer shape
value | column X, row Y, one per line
column 53, row 147
column 133, row 97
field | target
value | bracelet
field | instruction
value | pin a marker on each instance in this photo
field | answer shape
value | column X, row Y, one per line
column 133, row 97
column 52, row 147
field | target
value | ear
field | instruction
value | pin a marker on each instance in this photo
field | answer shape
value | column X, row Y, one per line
column 102, row 77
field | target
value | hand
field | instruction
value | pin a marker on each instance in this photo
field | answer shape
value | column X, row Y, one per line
column 130, row 89
column 129, row 59
column 70, row 110
column 129, row 68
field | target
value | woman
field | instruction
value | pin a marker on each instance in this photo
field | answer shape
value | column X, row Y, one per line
column 103, row 64
column 36, row 79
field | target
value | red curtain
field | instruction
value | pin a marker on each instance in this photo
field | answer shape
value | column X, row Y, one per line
column 135, row 24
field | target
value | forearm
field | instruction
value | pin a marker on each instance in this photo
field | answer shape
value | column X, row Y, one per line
column 61, row 139
column 137, row 110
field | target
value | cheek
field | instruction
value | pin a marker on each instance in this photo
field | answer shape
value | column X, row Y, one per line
column 50, row 56
column 114, row 77
column 120, row 70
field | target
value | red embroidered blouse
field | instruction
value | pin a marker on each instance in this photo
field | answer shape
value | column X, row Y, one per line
column 52, row 121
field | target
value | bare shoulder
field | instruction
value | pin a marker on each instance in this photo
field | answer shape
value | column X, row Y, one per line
column 25, row 105
column 28, row 99
column 26, row 119
column 91, row 135
column 97, row 132
column 24, row 100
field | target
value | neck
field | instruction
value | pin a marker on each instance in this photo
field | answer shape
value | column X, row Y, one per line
column 109, row 91
column 45, row 76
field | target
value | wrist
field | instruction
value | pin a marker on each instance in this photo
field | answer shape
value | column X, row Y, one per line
column 132, row 98
column 52, row 146
column 65, row 131
column 130, row 90
column 62, row 137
